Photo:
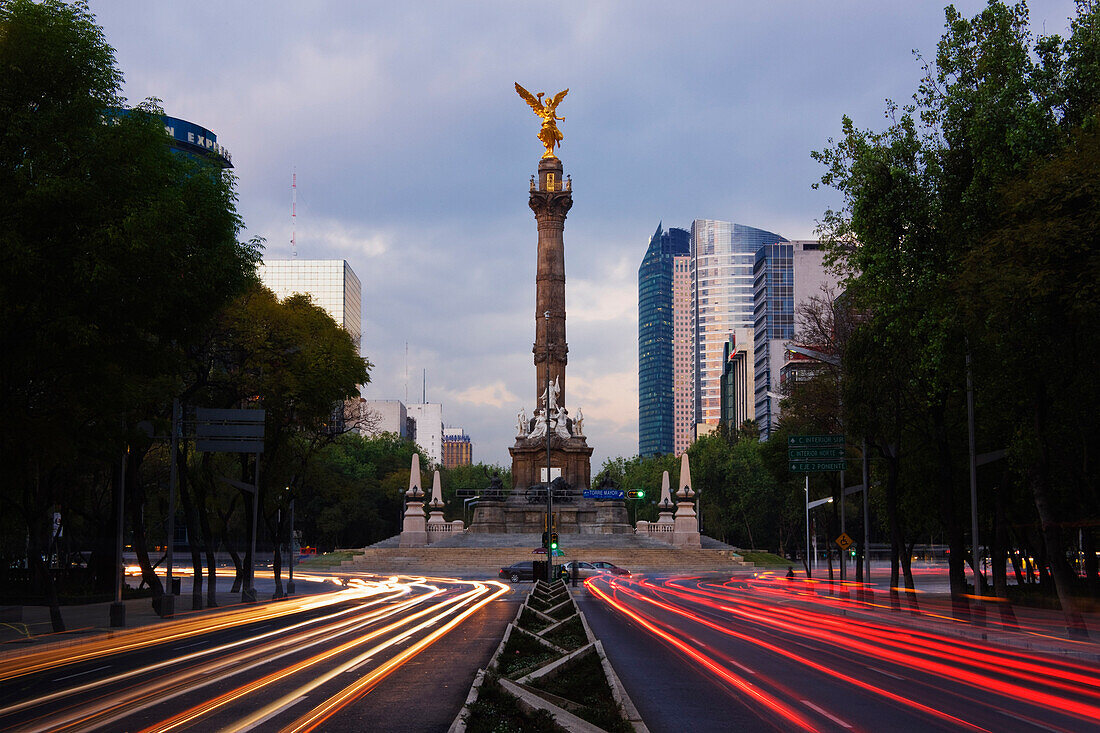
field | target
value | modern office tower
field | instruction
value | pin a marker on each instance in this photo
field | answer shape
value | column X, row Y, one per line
column 195, row 141
column 657, row 356
column 429, row 429
column 722, row 259
column 683, row 378
column 457, row 449
column 738, row 390
column 785, row 275
column 331, row 284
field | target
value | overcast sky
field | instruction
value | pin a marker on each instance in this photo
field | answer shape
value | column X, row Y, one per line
column 413, row 154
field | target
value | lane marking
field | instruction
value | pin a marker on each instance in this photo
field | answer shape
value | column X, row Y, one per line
column 888, row 674
column 79, row 674
column 360, row 664
column 271, row 715
column 828, row 715
column 188, row 646
column 742, row 667
column 1029, row 721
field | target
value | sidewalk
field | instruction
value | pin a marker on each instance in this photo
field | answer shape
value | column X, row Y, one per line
column 81, row 621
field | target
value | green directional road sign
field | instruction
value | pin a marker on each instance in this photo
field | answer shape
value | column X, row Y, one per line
column 815, row 466
column 803, row 454
column 814, row 440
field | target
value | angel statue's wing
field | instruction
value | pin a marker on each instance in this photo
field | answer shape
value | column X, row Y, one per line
column 552, row 105
column 530, row 99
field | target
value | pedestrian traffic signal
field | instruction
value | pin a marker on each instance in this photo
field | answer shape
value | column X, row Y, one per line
column 635, row 494
column 553, row 540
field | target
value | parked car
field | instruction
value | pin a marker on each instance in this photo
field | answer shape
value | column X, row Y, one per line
column 588, row 569
column 519, row 571
column 608, row 567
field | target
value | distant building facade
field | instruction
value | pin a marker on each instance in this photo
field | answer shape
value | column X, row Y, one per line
column 386, row 416
column 683, row 377
column 457, row 449
column 330, row 284
column 723, row 255
column 785, row 276
column 657, row 409
column 429, row 428
column 738, row 389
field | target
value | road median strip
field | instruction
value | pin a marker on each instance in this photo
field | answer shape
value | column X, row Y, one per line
column 549, row 677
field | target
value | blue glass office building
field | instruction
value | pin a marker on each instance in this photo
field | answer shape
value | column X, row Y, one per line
column 656, row 422
column 723, row 256
column 773, row 324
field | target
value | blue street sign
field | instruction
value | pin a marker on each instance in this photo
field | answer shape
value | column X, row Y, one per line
column 605, row 494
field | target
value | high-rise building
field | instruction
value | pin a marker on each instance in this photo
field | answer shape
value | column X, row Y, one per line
column 429, row 429
column 785, row 276
column 457, row 449
column 658, row 415
column 683, row 378
column 331, row 284
column 722, row 259
column 738, row 399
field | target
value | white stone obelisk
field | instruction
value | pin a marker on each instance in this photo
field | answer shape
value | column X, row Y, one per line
column 414, row 532
column 665, row 523
column 686, row 534
column 436, row 525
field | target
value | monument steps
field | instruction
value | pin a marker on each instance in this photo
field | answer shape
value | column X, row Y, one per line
column 443, row 560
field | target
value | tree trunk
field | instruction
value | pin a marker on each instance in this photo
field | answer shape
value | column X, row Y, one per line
column 203, row 510
column 135, row 494
column 910, row 587
column 191, row 520
column 890, row 453
column 1092, row 571
column 997, row 562
column 1052, row 535
column 956, row 538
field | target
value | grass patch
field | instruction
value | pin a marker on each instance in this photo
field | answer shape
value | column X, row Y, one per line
column 496, row 711
column 532, row 622
column 328, row 559
column 563, row 612
column 764, row 558
column 570, row 635
column 584, row 683
column 522, row 654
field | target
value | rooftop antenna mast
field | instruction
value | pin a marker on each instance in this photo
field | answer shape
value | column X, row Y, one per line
column 294, row 213
column 406, row 372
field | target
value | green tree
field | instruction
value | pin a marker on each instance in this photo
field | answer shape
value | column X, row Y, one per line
column 120, row 254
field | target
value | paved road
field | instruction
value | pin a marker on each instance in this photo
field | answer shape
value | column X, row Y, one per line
column 770, row 654
column 325, row 660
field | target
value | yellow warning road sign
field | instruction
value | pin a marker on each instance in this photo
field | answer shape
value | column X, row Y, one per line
column 845, row 541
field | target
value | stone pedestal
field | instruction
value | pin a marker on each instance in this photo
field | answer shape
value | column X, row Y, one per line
column 414, row 529
column 611, row 518
column 489, row 518
column 686, row 532
column 572, row 455
column 438, row 528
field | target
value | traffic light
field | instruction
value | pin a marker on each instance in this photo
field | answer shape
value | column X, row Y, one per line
column 635, row 494
column 553, row 540
column 545, row 537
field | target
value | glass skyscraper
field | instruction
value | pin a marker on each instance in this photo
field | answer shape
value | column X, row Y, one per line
column 722, row 257
column 773, row 309
column 656, row 341
column 331, row 284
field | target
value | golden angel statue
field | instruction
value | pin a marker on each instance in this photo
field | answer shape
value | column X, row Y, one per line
column 550, row 135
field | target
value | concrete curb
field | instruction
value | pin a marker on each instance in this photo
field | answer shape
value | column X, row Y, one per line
column 563, row 718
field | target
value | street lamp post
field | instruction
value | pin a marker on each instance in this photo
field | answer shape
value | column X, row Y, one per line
column 293, row 552
column 807, row 490
column 549, row 490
